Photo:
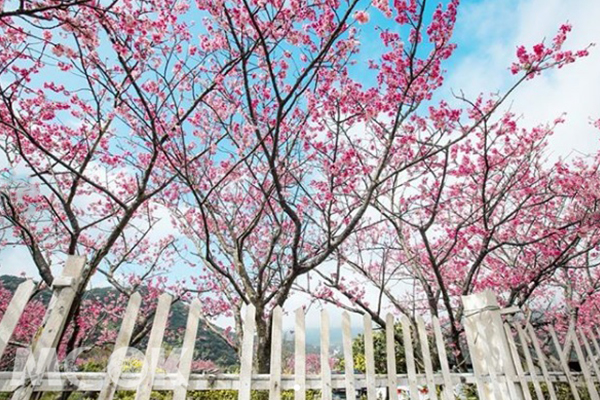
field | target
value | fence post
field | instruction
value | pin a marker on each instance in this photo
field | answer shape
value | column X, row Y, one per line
column 65, row 288
column 488, row 345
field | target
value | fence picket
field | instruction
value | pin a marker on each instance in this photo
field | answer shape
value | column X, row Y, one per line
column 530, row 366
column 476, row 373
column 443, row 358
column 300, row 358
column 369, row 358
column 276, row 349
column 517, row 362
column 510, row 377
column 245, row 389
column 13, row 312
column 410, row 358
column 542, row 361
column 485, row 378
column 348, row 356
column 595, row 343
column 187, row 351
column 153, row 350
column 564, row 365
column 426, row 357
column 568, row 344
column 596, row 336
column 588, row 350
column 325, row 369
column 55, row 322
column 115, row 365
column 493, row 377
column 390, row 350
column 584, row 368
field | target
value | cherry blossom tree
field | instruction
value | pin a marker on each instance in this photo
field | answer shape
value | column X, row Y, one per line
column 305, row 143
column 310, row 140
column 89, row 93
column 490, row 212
column 272, row 132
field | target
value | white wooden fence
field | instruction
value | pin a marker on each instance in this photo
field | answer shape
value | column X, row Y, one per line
column 507, row 359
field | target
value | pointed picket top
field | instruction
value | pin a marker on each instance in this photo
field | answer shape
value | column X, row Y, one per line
column 13, row 312
column 135, row 298
column 300, row 358
column 390, row 351
column 249, row 329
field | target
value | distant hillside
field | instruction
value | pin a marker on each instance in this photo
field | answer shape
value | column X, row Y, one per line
column 209, row 346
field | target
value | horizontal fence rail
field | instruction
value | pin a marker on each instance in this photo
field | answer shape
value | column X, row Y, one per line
column 94, row 381
column 510, row 361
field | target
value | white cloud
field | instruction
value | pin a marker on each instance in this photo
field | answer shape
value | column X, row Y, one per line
column 489, row 32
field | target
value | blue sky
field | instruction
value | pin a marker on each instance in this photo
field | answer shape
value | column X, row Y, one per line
column 488, row 33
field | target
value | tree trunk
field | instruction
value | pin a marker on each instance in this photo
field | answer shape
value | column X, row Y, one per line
column 459, row 357
column 263, row 345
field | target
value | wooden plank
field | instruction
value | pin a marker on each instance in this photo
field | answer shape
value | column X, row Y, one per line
column 443, row 358
column 489, row 352
column 300, row 358
column 568, row 343
column 153, row 351
column 410, row 358
column 13, row 312
column 594, row 341
column 115, row 364
column 56, row 319
column 542, row 361
column 497, row 390
column 530, row 367
column 479, row 384
column 597, row 336
column 276, row 350
column 187, row 351
column 245, row 389
column 517, row 362
column 588, row 350
column 564, row 364
column 325, row 369
column 426, row 358
column 584, row 368
column 348, row 357
column 369, row 357
column 390, row 351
